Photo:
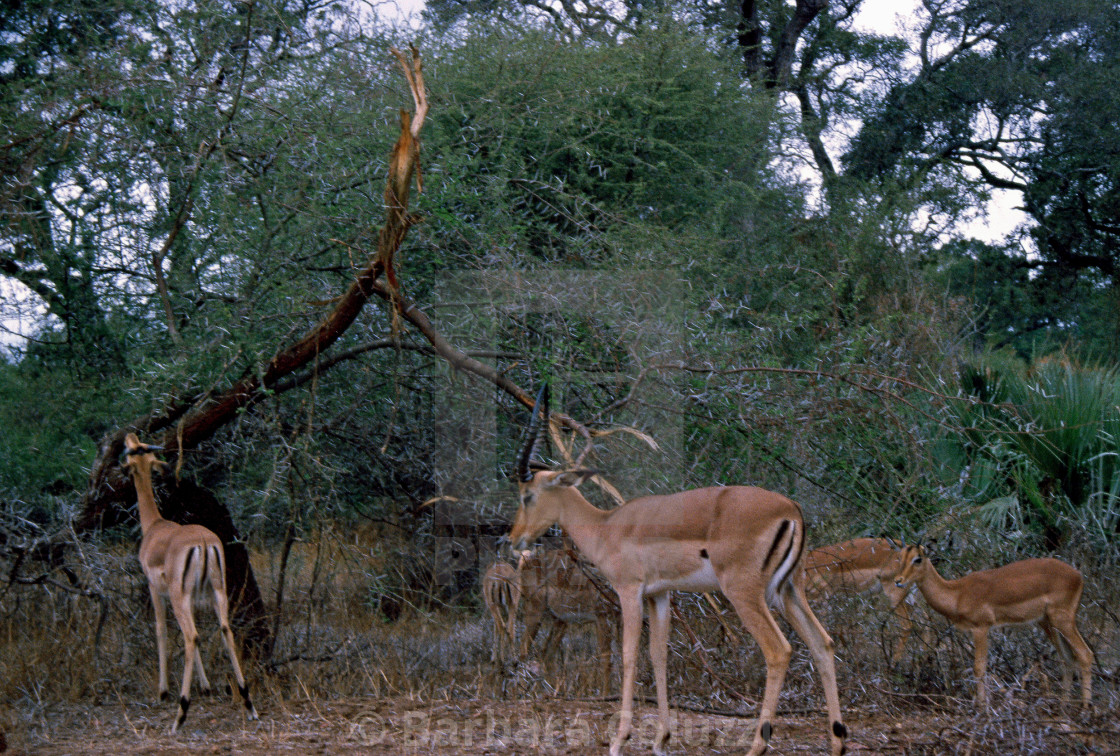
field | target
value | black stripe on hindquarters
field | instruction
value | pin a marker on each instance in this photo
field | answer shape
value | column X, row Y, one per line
column 187, row 568
column 774, row 546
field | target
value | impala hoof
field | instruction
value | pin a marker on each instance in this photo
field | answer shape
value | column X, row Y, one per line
column 184, row 705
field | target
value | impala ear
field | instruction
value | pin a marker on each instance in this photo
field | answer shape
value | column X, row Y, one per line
column 571, row 478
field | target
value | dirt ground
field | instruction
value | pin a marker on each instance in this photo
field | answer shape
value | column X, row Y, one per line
column 475, row 727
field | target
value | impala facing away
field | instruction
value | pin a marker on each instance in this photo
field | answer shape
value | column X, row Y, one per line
column 179, row 561
column 501, row 591
column 554, row 586
column 857, row 566
column 746, row 542
column 1046, row 591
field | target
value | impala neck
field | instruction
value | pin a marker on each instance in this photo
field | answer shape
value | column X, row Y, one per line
column 937, row 591
column 145, row 499
column 583, row 522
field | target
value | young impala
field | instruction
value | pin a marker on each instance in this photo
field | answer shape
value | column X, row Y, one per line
column 180, row 561
column 857, row 566
column 1046, row 591
column 555, row 587
column 746, row 542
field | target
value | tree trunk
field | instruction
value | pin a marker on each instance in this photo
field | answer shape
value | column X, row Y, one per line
column 188, row 503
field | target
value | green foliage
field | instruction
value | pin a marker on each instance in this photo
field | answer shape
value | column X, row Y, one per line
column 1043, row 443
column 1018, row 96
column 543, row 155
column 1034, row 312
column 50, row 426
column 1073, row 190
column 643, row 162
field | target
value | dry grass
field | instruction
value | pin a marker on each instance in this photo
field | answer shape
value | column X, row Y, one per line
column 341, row 672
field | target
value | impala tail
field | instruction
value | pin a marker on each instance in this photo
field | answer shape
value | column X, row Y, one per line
column 202, row 565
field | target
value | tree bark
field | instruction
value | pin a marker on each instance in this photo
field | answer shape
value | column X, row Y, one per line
column 776, row 72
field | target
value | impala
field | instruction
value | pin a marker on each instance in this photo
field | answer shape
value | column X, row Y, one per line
column 179, row 561
column 746, row 542
column 858, row 566
column 1046, row 591
column 554, row 586
column 501, row 591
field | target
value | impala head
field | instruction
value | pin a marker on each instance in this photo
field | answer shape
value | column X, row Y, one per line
column 541, row 503
column 541, row 492
column 140, row 457
column 913, row 561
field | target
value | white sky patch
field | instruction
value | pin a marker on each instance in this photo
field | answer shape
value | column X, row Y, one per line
column 885, row 16
column 21, row 315
column 407, row 11
column 999, row 219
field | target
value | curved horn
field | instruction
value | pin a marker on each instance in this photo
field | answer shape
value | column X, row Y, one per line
column 531, row 444
column 143, row 449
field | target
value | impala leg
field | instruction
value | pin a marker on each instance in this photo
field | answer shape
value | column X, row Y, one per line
column 511, row 621
column 902, row 612
column 502, row 642
column 221, row 607
column 556, row 635
column 756, row 617
column 631, row 605
column 980, row 665
column 1065, row 657
column 603, row 637
column 181, row 605
column 659, row 655
column 1067, row 626
column 497, row 653
column 532, row 620
column 820, row 644
column 161, row 639
column 203, row 682
column 901, row 609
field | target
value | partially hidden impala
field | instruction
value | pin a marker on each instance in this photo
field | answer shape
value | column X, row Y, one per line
column 858, row 566
column 746, row 542
column 554, row 587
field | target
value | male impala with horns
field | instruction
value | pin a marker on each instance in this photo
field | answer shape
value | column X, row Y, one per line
column 746, row 542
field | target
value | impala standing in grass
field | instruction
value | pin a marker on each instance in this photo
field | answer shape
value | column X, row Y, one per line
column 746, row 542
column 179, row 562
column 1045, row 591
column 555, row 587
